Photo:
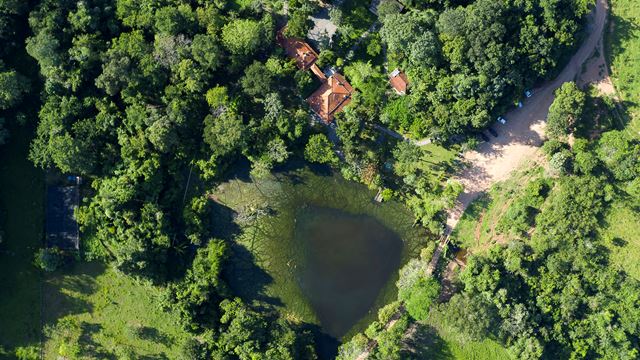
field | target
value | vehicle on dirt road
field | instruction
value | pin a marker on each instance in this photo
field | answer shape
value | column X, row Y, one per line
column 502, row 120
column 528, row 93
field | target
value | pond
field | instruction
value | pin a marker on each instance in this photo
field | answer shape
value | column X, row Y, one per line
column 315, row 245
column 347, row 260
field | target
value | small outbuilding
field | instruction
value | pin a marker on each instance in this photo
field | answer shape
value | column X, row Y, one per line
column 399, row 82
column 61, row 225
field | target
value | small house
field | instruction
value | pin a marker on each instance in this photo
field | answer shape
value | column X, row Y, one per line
column 399, row 82
column 61, row 225
column 299, row 50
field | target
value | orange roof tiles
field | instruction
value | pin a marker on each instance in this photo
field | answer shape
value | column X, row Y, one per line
column 331, row 97
column 299, row 50
column 399, row 81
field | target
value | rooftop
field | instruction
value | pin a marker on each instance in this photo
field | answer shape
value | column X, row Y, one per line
column 399, row 81
column 61, row 225
column 299, row 50
column 331, row 97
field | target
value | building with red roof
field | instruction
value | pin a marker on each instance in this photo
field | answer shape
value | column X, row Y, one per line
column 399, row 81
column 299, row 50
column 334, row 94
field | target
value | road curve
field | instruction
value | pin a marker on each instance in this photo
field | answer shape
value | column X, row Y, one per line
column 523, row 134
column 518, row 140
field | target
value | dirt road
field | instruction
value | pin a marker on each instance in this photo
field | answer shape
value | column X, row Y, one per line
column 522, row 136
column 518, row 140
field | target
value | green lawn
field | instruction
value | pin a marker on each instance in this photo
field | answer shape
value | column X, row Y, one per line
column 622, row 237
column 623, row 53
column 445, row 344
column 108, row 314
column 437, row 160
column 21, row 220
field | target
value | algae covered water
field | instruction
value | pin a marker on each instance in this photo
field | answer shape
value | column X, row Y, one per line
column 315, row 245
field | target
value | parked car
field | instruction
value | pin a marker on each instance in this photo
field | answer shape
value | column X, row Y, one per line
column 484, row 137
column 528, row 93
column 492, row 132
column 502, row 120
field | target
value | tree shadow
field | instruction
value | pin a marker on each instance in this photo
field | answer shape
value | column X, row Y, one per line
column 245, row 278
column 64, row 291
column 326, row 345
column 425, row 343
column 223, row 225
column 154, row 335
column 91, row 348
column 619, row 242
column 321, row 170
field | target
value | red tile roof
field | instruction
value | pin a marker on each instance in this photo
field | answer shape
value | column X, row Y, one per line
column 297, row 49
column 331, row 97
column 399, row 81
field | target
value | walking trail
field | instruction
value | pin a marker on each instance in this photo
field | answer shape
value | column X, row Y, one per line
column 518, row 140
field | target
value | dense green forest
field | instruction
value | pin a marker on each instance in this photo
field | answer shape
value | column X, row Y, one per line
column 13, row 85
column 154, row 102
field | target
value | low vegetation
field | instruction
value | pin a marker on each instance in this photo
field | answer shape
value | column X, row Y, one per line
column 623, row 51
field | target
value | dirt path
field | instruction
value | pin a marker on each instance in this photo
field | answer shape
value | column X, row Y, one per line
column 521, row 137
column 518, row 140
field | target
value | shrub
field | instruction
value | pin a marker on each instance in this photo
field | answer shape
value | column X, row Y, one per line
column 418, row 298
column 550, row 147
column 560, row 163
column 49, row 259
column 27, row 353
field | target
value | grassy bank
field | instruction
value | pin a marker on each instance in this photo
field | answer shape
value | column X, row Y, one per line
column 622, row 237
column 22, row 212
column 623, row 52
column 446, row 345
column 476, row 230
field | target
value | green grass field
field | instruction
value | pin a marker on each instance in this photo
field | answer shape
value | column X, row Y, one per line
column 21, row 214
column 108, row 314
column 623, row 54
column 622, row 237
column 438, row 160
column 447, row 345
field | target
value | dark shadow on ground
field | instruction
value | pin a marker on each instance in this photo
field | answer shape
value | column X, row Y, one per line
column 154, row 335
column 89, row 347
column 245, row 278
column 326, row 345
column 425, row 343
column 222, row 221
column 58, row 287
